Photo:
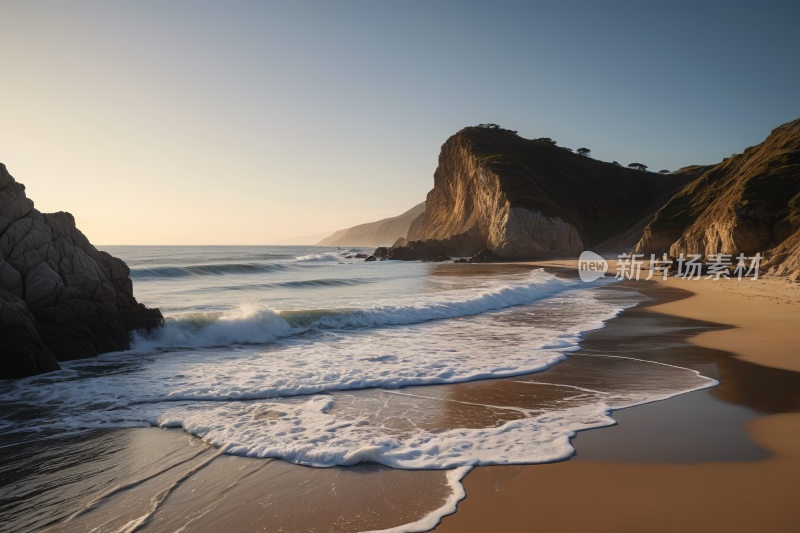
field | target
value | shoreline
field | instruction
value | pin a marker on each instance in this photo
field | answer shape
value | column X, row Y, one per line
column 230, row 490
column 652, row 493
column 755, row 336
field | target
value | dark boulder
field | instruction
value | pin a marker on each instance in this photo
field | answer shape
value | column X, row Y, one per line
column 371, row 258
column 361, row 256
column 140, row 318
column 78, row 301
column 415, row 251
column 485, row 256
column 380, row 252
column 23, row 351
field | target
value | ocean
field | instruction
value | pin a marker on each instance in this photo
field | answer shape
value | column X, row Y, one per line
column 316, row 357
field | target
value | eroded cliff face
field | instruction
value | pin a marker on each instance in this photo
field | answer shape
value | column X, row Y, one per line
column 468, row 209
column 749, row 203
column 523, row 198
column 60, row 298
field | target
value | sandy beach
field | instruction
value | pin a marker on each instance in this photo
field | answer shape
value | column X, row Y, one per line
column 717, row 459
column 760, row 325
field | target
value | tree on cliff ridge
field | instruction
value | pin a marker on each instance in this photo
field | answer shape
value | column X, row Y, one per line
column 583, row 151
column 547, row 140
column 638, row 166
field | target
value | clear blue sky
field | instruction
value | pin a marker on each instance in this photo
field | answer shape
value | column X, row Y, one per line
column 188, row 122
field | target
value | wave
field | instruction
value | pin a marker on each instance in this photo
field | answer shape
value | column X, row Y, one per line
column 544, row 285
column 326, row 256
column 205, row 270
column 249, row 322
column 255, row 322
column 213, row 269
column 321, row 283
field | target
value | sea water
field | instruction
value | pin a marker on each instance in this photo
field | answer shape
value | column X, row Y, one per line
column 295, row 353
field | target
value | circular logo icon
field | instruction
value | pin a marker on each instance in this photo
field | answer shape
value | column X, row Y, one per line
column 591, row 266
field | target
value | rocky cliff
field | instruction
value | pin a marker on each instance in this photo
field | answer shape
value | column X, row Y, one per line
column 525, row 198
column 60, row 298
column 749, row 203
column 379, row 233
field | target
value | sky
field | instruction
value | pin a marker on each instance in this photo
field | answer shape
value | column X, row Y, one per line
column 237, row 122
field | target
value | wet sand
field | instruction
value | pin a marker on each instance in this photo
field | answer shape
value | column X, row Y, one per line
column 684, row 464
column 706, row 457
column 617, row 496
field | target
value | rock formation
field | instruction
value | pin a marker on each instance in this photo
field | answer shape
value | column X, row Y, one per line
column 378, row 233
column 524, row 198
column 60, row 298
column 485, row 256
column 411, row 251
column 749, row 203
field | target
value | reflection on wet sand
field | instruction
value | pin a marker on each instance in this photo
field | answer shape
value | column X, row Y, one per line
column 178, row 481
column 662, row 338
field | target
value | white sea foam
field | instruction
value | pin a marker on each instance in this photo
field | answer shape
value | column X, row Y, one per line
column 254, row 322
column 249, row 322
column 247, row 380
column 325, row 256
column 302, row 433
column 430, row 352
column 432, row 519
column 317, row 395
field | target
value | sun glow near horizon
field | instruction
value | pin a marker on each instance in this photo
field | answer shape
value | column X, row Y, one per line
column 246, row 123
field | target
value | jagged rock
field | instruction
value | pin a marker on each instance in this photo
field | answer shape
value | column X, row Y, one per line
column 139, row 317
column 380, row 252
column 462, row 260
column 23, row 352
column 361, row 256
column 440, row 258
column 784, row 260
column 11, row 280
column 79, row 300
column 414, row 251
column 44, row 288
column 485, row 256
column 371, row 258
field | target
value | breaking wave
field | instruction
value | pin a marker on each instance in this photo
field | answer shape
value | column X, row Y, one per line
column 327, row 256
column 255, row 322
